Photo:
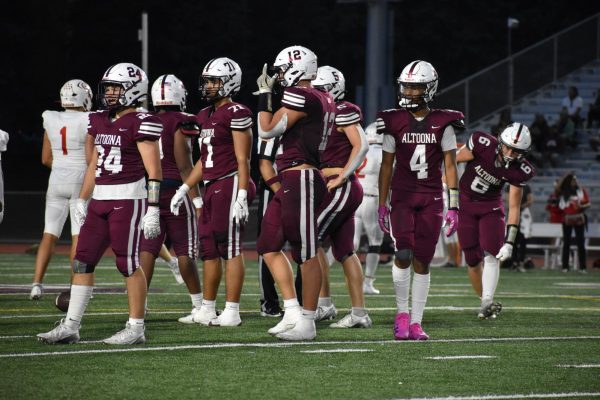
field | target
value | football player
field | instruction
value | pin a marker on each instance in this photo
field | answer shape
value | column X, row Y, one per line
column 304, row 121
column 123, row 144
column 491, row 162
column 169, row 101
column 63, row 151
column 365, row 217
column 225, row 145
column 3, row 142
column 419, row 139
column 342, row 153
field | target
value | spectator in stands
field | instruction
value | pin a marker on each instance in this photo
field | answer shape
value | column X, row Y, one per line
column 524, row 232
column 573, row 104
column 565, row 128
column 573, row 201
column 504, row 120
column 594, row 111
column 545, row 142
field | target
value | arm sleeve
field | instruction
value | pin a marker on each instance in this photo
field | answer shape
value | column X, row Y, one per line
column 449, row 139
column 389, row 144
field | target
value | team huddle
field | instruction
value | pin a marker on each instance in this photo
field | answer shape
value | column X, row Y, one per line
column 128, row 179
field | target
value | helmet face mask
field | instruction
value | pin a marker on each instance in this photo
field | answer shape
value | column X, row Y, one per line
column 417, row 85
column 295, row 63
column 332, row 81
column 169, row 91
column 221, row 77
column 514, row 143
column 76, row 93
column 132, row 85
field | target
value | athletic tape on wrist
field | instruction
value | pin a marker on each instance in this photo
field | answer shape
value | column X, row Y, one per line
column 153, row 192
column 453, row 199
column 511, row 233
column 265, row 103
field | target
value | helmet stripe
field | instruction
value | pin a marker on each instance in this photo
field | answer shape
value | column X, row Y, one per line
column 518, row 134
column 412, row 68
column 162, row 87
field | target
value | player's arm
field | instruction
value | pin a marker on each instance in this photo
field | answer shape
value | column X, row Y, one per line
column 272, row 125
column 450, row 168
column 89, row 180
column 151, row 157
column 357, row 138
column 515, row 194
column 385, row 176
column 464, row 154
column 183, row 158
column 268, row 174
column 46, row 151
column 242, row 145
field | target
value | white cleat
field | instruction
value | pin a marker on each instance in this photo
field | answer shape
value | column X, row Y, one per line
column 227, row 318
column 37, row 290
column 353, row 321
column 61, row 334
column 325, row 313
column 129, row 335
column 204, row 316
column 305, row 329
column 290, row 317
column 189, row 319
column 368, row 288
column 174, row 267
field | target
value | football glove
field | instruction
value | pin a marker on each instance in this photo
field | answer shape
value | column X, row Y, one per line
column 265, row 82
column 151, row 223
column 384, row 218
column 3, row 140
column 178, row 198
column 451, row 222
column 80, row 211
column 240, row 208
column 505, row 252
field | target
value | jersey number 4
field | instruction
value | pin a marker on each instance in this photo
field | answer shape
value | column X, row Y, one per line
column 418, row 162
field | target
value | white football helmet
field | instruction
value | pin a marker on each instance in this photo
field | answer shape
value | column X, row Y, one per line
column 515, row 136
column 372, row 136
column 76, row 93
column 228, row 72
column 419, row 74
column 331, row 80
column 133, row 82
column 295, row 63
column 168, row 90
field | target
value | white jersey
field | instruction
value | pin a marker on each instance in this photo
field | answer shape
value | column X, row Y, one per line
column 67, row 132
column 368, row 172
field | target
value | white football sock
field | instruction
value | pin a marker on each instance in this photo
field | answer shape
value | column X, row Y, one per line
column 490, row 277
column 209, row 304
column 136, row 322
column 196, row 300
column 324, row 302
column 372, row 260
column 307, row 314
column 235, row 307
column 80, row 296
column 290, row 303
column 401, row 278
column 359, row 311
column 420, row 291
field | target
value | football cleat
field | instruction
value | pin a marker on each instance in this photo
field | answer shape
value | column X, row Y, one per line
column 368, row 288
column 489, row 309
column 325, row 313
column 174, row 267
column 353, row 321
column 189, row 319
column 304, row 329
column 204, row 315
column 416, row 332
column 60, row 334
column 37, row 290
column 401, row 326
column 227, row 318
column 289, row 320
column 129, row 335
column 273, row 312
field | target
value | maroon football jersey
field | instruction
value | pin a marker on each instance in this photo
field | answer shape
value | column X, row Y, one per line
column 119, row 160
column 302, row 142
column 216, row 141
column 419, row 153
column 172, row 121
column 484, row 177
column 338, row 146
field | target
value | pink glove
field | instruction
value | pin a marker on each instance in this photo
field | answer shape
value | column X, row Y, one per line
column 384, row 218
column 451, row 222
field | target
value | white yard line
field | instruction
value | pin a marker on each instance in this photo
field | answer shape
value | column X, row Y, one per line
column 579, row 366
column 473, row 357
column 509, row 396
column 15, row 337
column 336, row 351
column 288, row 344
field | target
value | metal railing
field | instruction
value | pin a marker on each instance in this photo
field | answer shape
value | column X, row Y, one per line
column 486, row 92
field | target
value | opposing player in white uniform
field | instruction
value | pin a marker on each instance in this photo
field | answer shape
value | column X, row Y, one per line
column 365, row 218
column 63, row 152
column 3, row 141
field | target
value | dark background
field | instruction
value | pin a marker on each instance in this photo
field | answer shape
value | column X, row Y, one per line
column 44, row 44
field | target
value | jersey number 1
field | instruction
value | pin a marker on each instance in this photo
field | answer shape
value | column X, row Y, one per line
column 63, row 140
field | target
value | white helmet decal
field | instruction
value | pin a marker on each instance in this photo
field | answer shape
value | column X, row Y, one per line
column 331, row 80
column 76, row 93
column 296, row 63
column 168, row 90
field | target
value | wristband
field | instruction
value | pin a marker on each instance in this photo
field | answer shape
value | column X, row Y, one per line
column 511, row 234
column 453, row 199
column 265, row 103
column 272, row 181
column 153, row 192
column 198, row 203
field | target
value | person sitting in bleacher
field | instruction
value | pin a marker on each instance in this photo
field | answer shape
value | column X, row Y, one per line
column 545, row 142
column 565, row 128
column 573, row 104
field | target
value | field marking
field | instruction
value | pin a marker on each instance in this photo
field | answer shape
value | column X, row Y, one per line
column 459, row 357
column 579, row 366
column 509, row 396
column 289, row 344
column 579, row 285
column 337, row 351
column 16, row 337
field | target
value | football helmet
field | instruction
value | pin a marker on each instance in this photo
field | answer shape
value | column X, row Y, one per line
column 372, row 136
column 228, row 72
column 516, row 137
column 168, row 90
column 295, row 63
column 133, row 82
column 76, row 93
column 418, row 74
column 331, row 80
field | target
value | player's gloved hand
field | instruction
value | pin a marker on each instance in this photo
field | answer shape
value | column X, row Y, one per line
column 265, row 82
column 3, row 140
column 240, row 208
column 151, row 222
column 505, row 252
column 80, row 211
column 451, row 222
column 178, row 198
column 384, row 218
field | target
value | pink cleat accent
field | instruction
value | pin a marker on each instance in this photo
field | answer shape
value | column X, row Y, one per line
column 401, row 330
column 416, row 332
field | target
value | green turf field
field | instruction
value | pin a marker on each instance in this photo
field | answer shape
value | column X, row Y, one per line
column 544, row 344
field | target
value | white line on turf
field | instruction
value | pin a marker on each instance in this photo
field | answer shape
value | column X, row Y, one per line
column 579, row 366
column 15, row 337
column 336, row 351
column 289, row 344
column 458, row 357
column 509, row 396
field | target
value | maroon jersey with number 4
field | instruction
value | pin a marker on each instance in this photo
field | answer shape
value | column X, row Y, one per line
column 418, row 146
column 484, row 177
column 302, row 142
column 119, row 160
column 216, row 141
column 173, row 121
column 338, row 148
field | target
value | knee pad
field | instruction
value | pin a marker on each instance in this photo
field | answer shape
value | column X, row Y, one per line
column 374, row 249
column 404, row 255
column 82, row 268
